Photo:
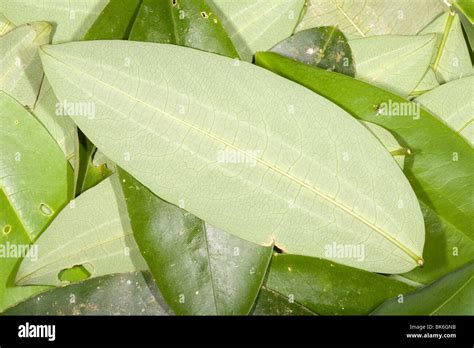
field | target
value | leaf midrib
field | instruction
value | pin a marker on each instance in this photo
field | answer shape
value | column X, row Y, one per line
column 349, row 19
column 417, row 259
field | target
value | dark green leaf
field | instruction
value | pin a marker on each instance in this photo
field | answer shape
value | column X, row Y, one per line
column 465, row 10
column 329, row 288
column 115, row 21
column 189, row 23
column 323, row 47
column 199, row 270
column 87, row 173
column 270, row 302
column 446, row 248
column 119, row 294
column 440, row 169
column 451, row 295
column 466, row 7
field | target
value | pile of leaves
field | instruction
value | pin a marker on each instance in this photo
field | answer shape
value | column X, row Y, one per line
column 262, row 157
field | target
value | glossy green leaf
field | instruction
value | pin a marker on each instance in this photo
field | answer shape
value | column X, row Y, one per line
column 115, row 21
column 387, row 139
column 465, row 10
column 119, row 294
column 199, row 269
column 35, row 182
column 466, row 7
column 447, row 248
column 395, row 63
column 92, row 231
column 270, row 302
column 87, row 174
column 451, row 60
column 451, row 295
column 189, row 23
column 5, row 25
column 453, row 102
column 97, row 170
column 372, row 17
column 441, row 166
column 257, row 25
column 21, row 71
column 329, row 288
column 324, row 47
column 70, row 19
column 262, row 175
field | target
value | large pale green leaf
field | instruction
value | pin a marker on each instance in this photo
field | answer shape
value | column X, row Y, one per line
column 199, row 269
column 219, row 273
column 329, row 288
column 92, row 231
column 428, row 82
column 324, row 47
column 5, row 25
column 395, row 63
column 189, row 23
column 118, row 294
column 70, row 19
column 372, row 17
column 451, row 295
column 114, row 23
column 387, row 139
column 35, row 182
column 451, row 60
column 20, row 66
column 240, row 152
column 441, row 166
column 453, row 102
column 257, row 25
column 50, row 113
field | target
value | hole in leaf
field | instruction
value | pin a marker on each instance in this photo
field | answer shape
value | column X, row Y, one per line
column 45, row 209
column 174, row 2
column 277, row 250
column 204, row 15
column 7, row 229
column 74, row 274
